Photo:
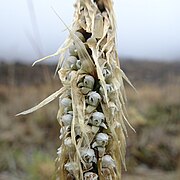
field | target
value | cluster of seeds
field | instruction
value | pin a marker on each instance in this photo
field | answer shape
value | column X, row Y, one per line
column 91, row 107
column 92, row 111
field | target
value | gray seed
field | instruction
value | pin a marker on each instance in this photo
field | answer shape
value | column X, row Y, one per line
column 97, row 118
column 89, row 81
column 73, row 50
column 106, row 73
column 67, row 119
column 93, row 99
column 71, row 61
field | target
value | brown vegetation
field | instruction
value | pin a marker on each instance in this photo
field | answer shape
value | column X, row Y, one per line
column 28, row 143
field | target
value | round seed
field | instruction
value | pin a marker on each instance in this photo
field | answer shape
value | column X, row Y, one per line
column 67, row 119
column 73, row 50
column 93, row 99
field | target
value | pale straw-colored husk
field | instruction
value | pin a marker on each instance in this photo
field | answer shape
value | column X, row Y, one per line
column 92, row 111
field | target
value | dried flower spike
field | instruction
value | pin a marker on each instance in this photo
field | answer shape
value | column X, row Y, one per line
column 92, row 99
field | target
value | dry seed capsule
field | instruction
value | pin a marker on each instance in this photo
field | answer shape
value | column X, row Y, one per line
column 89, row 81
column 101, row 140
column 67, row 104
column 89, row 157
column 106, row 73
column 100, row 143
column 86, row 84
column 73, row 50
column 109, row 89
column 67, row 119
column 108, row 162
column 72, row 60
column 97, row 119
column 93, row 99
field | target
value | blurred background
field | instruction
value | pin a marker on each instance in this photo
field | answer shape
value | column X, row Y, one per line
column 148, row 41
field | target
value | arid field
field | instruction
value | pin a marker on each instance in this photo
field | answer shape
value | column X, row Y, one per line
column 28, row 144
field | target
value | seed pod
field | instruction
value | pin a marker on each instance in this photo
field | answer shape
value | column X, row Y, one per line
column 72, row 62
column 109, row 88
column 97, row 119
column 106, row 73
column 88, row 156
column 73, row 50
column 93, row 99
column 67, row 119
column 108, row 162
column 101, row 140
column 100, row 143
column 86, row 84
column 66, row 103
column 87, row 81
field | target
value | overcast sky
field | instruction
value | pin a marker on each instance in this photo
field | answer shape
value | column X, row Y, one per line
column 146, row 28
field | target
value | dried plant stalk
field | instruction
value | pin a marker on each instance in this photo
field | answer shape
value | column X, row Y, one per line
column 92, row 111
column 93, row 141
